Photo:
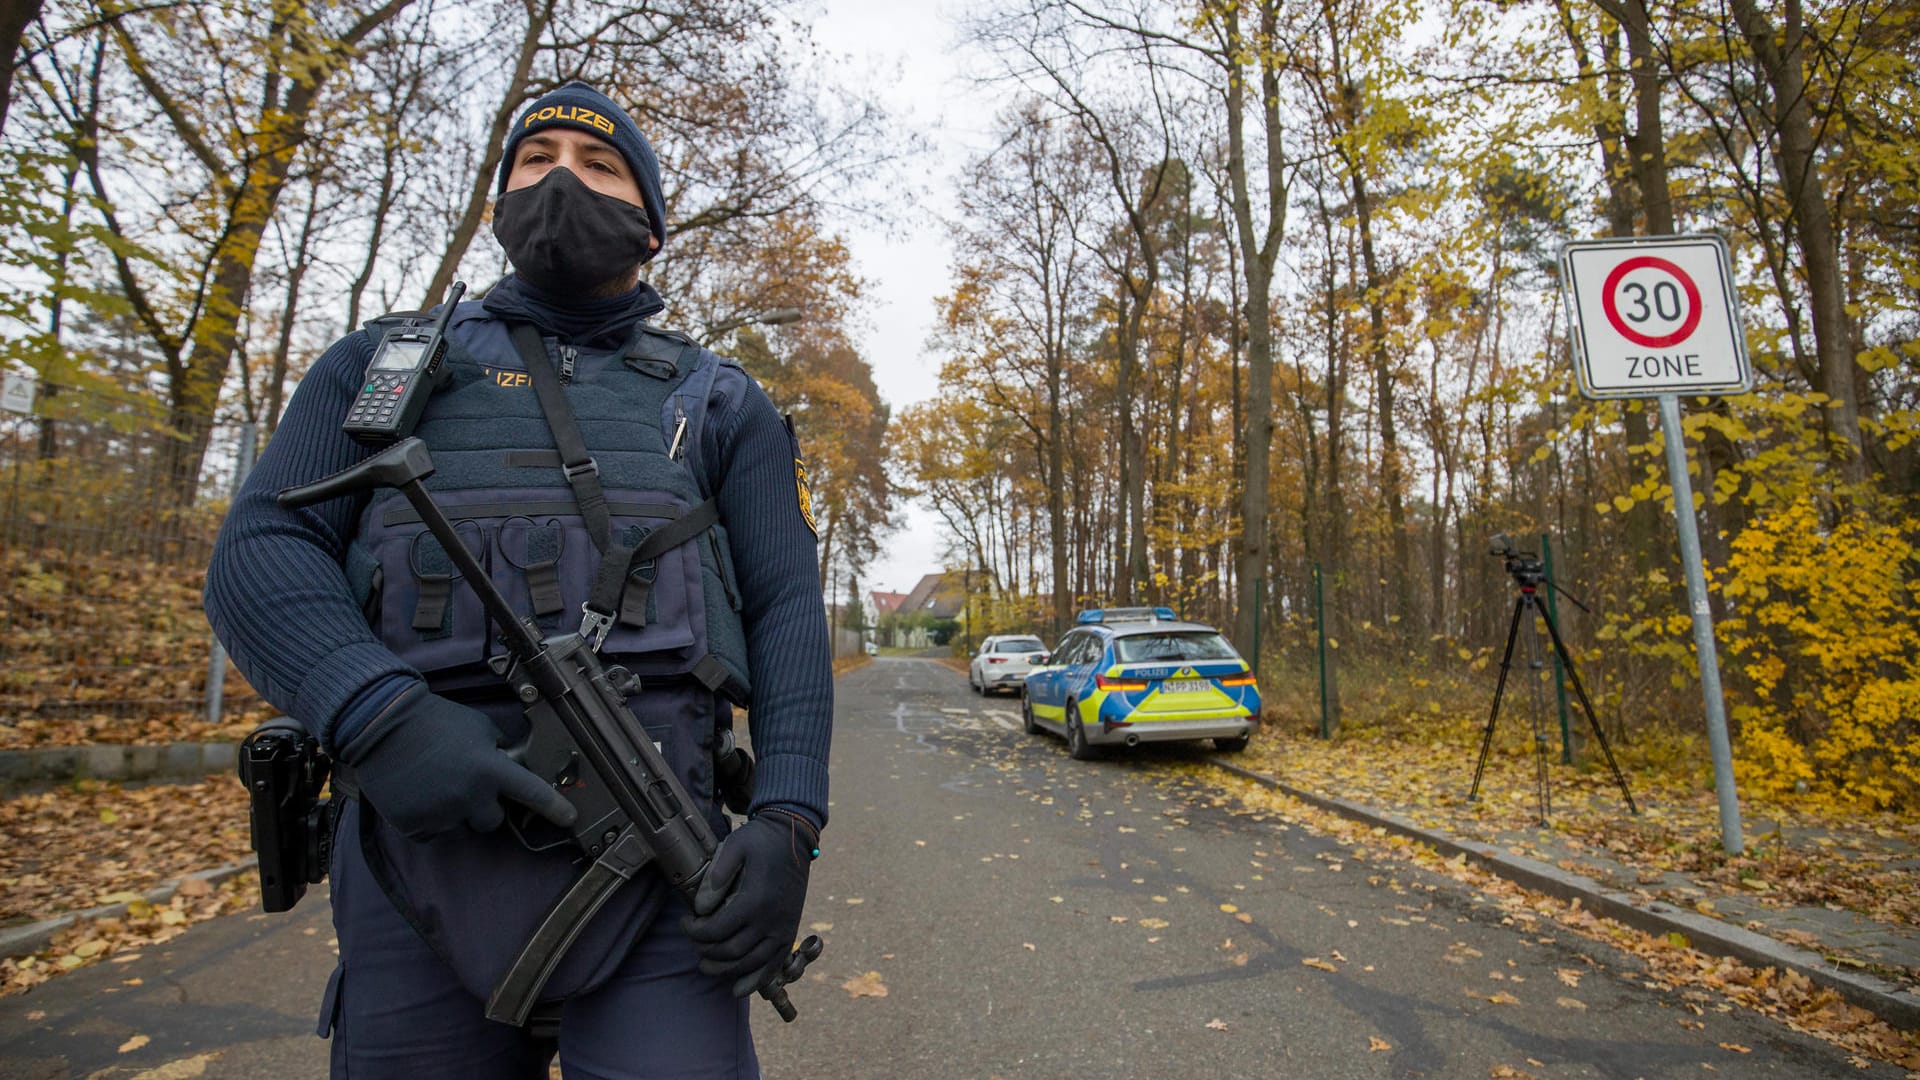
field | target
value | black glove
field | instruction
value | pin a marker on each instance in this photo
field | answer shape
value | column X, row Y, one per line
column 431, row 766
column 747, row 910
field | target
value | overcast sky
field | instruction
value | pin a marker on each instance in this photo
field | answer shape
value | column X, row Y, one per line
column 904, row 50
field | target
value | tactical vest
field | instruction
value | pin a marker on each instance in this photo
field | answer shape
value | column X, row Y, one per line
column 499, row 476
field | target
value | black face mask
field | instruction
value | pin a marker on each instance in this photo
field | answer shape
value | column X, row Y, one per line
column 564, row 237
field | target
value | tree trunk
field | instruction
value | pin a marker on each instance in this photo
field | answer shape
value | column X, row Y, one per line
column 1781, row 57
column 1259, row 248
column 279, row 131
column 15, row 17
column 539, row 16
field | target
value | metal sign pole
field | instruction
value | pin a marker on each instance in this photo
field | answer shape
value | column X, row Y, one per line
column 1703, row 644
column 1659, row 317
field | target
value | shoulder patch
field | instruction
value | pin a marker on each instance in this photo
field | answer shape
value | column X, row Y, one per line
column 806, row 495
column 802, row 487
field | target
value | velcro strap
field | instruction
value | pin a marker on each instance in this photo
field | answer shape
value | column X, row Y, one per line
column 543, row 588
column 543, row 570
column 711, row 672
column 430, row 611
column 433, row 575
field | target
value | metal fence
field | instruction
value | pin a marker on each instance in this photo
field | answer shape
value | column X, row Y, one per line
column 108, row 510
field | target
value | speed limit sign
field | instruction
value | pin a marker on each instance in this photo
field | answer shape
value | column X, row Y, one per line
column 1654, row 315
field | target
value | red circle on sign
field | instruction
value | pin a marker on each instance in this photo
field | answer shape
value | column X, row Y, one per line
column 1651, row 341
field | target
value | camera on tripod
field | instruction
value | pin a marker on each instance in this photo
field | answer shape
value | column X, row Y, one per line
column 1525, row 566
column 1530, row 573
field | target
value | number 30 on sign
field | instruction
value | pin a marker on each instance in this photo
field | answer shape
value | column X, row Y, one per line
column 1654, row 315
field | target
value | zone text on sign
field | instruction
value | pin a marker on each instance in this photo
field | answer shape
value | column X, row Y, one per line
column 1664, row 367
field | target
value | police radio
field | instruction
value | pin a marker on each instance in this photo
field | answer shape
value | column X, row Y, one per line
column 406, row 369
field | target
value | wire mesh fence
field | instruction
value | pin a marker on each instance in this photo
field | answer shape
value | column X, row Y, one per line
column 109, row 505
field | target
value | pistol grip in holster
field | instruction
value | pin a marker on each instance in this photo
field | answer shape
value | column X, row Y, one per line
column 284, row 771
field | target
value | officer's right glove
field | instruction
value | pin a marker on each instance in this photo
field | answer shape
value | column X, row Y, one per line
column 433, row 766
column 747, row 909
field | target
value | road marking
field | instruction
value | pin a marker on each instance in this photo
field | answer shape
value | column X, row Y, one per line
column 1004, row 719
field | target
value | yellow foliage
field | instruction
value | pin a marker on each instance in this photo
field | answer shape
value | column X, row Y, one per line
column 1823, row 638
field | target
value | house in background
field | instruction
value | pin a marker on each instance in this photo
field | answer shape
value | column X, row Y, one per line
column 916, row 620
column 883, row 603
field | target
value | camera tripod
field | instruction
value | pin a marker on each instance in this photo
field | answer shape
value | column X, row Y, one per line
column 1529, row 575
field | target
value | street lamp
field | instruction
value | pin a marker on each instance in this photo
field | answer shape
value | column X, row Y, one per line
column 774, row 317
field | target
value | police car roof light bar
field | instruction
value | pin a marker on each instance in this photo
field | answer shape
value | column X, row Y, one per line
column 1097, row 616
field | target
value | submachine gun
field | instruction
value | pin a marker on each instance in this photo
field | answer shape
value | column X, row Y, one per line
column 632, row 810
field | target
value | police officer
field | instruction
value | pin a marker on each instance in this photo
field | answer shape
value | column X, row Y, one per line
column 348, row 616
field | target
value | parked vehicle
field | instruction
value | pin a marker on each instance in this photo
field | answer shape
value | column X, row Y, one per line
column 1003, row 662
column 1125, row 676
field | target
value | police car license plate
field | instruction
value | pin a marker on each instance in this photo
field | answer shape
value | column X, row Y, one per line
column 1185, row 686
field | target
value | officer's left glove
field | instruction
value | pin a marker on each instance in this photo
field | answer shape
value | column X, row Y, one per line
column 747, row 909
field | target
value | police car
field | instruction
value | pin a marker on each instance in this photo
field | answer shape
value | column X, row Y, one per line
column 1125, row 676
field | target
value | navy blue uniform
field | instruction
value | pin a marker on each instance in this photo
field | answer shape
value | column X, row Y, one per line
column 280, row 599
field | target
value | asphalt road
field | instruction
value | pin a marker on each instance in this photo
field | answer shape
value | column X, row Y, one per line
column 994, row 909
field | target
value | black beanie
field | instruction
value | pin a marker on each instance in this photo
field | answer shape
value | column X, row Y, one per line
column 582, row 108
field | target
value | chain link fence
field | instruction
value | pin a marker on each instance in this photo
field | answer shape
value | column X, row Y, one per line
column 108, row 510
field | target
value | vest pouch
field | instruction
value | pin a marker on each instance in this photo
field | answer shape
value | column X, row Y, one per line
column 726, row 640
column 530, row 552
column 660, row 626
column 537, row 526
column 428, row 615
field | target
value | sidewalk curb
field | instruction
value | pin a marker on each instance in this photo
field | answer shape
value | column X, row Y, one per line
column 26, row 940
column 1891, row 1003
column 39, row 767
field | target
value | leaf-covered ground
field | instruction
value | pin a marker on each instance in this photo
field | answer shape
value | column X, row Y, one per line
column 1705, row 982
column 97, row 647
column 90, row 845
column 1815, row 853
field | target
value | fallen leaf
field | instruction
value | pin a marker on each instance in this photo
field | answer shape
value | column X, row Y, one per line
column 139, row 1041
column 1154, row 924
column 1375, row 1044
column 1570, row 1003
column 1319, row 964
column 868, row 985
column 194, row 886
column 1216, row 1024
column 855, row 900
column 820, row 927
column 184, row 1069
column 1028, row 945
column 1736, row 1048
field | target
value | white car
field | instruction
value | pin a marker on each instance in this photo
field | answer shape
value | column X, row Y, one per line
column 1003, row 662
